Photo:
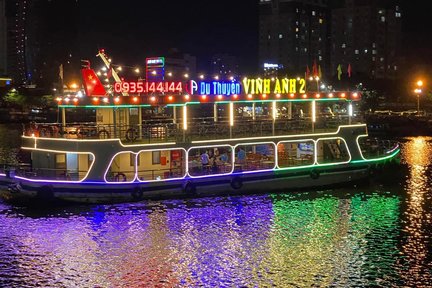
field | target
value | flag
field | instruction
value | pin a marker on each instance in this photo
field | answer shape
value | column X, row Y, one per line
column 319, row 71
column 61, row 72
column 349, row 70
column 339, row 72
column 314, row 69
column 92, row 84
column 307, row 71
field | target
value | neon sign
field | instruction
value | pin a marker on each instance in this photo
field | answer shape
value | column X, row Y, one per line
column 226, row 88
column 276, row 86
column 155, row 62
column 147, row 87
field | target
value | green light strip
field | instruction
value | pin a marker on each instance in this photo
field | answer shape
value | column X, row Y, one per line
column 377, row 159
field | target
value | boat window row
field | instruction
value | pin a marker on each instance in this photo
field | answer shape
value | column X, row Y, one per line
column 196, row 162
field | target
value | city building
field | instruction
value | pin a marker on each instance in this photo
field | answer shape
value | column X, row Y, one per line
column 175, row 66
column 17, row 13
column 224, row 65
column 293, row 34
column 3, row 30
column 366, row 36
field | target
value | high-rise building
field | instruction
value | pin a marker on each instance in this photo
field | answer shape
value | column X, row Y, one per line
column 3, row 29
column 293, row 35
column 366, row 34
column 17, row 12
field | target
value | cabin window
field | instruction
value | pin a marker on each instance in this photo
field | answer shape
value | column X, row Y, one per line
column 156, row 157
column 120, row 169
column 60, row 166
column 212, row 160
column 296, row 153
column 170, row 164
column 332, row 151
column 132, row 160
column 254, row 157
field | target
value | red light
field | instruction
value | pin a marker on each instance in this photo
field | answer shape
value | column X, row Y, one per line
column 187, row 97
column 250, row 96
column 343, row 95
column 135, row 99
column 219, row 97
column 264, row 96
column 305, row 96
column 117, row 100
column 170, row 98
column 330, row 95
column 204, row 97
column 278, row 95
column 153, row 99
column 292, row 95
column 235, row 96
column 317, row 95
column 355, row 95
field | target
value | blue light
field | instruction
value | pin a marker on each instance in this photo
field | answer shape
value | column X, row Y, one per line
column 226, row 88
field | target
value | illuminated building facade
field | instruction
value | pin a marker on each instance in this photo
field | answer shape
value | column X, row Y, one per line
column 367, row 35
column 293, row 33
column 17, row 14
column 178, row 66
column 3, row 57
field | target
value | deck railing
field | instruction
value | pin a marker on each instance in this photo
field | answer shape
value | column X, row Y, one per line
column 198, row 129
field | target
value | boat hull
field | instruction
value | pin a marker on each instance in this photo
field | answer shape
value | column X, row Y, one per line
column 264, row 182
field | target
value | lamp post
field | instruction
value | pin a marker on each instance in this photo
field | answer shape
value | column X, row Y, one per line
column 418, row 91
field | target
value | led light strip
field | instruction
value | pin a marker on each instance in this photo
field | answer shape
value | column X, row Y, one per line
column 60, row 152
column 206, row 147
column 169, row 179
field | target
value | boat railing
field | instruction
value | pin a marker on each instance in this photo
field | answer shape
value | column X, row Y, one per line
column 51, row 174
column 197, row 129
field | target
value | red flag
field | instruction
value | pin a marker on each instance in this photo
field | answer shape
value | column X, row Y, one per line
column 314, row 69
column 349, row 70
column 92, row 84
column 307, row 71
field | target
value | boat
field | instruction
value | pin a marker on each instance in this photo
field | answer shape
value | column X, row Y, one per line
column 121, row 157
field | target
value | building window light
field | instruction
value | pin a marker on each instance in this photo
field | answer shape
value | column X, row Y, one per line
column 356, row 51
column 382, row 19
column 280, row 36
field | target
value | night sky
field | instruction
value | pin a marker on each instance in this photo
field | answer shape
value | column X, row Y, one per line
column 133, row 30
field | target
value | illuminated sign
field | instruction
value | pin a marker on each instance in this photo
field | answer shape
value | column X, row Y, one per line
column 147, row 87
column 226, row 88
column 155, row 62
column 274, row 85
column 271, row 65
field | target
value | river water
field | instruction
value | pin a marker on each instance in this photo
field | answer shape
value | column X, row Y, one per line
column 377, row 235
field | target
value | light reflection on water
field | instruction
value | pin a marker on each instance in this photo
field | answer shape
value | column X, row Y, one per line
column 367, row 236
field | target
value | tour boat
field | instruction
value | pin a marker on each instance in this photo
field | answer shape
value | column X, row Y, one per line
column 266, row 142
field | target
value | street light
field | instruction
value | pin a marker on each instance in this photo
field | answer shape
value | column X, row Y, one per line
column 418, row 91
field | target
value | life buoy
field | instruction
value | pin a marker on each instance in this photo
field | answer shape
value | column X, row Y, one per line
column 314, row 174
column 189, row 188
column 104, row 134
column 131, row 135
column 236, row 183
column 137, row 194
column 120, row 177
